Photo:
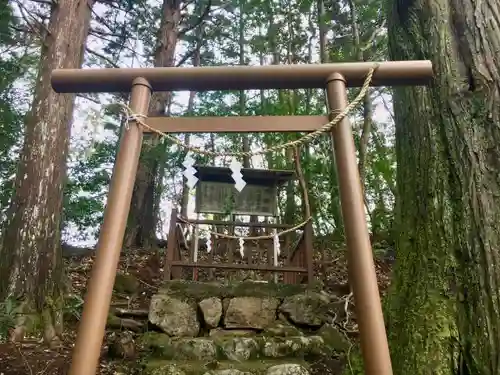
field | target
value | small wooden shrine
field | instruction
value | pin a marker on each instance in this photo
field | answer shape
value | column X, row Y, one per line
column 216, row 193
column 266, row 252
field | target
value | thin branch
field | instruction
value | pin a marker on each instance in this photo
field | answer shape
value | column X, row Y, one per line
column 46, row 2
column 89, row 98
column 121, row 45
column 204, row 15
column 184, row 58
column 26, row 363
column 386, row 106
column 111, row 5
column 36, row 30
column 188, row 55
column 355, row 28
column 102, row 32
column 29, row 12
column 183, row 8
column 101, row 56
column 100, row 19
column 372, row 37
column 128, row 9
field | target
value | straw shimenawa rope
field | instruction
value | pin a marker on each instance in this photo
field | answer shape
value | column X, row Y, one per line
column 140, row 119
column 252, row 238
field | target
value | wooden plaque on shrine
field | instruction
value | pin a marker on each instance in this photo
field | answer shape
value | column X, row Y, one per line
column 223, row 198
column 216, row 194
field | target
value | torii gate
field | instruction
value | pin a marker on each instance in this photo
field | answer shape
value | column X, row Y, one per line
column 142, row 82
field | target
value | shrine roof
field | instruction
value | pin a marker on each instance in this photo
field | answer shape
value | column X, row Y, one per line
column 263, row 177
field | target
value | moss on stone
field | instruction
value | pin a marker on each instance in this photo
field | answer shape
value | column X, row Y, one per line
column 282, row 329
column 238, row 348
column 291, row 347
column 126, row 284
column 112, row 320
column 334, row 339
column 255, row 367
column 22, row 319
column 307, row 309
column 157, row 344
column 220, row 332
column 199, row 290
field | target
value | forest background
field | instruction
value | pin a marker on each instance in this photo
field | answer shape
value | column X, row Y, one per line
column 229, row 34
column 438, row 207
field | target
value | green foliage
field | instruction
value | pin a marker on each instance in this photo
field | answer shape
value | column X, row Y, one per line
column 73, row 306
column 274, row 32
column 354, row 361
column 14, row 63
column 7, row 317
column 87, row 187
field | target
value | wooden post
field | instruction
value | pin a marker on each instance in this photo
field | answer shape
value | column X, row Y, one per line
column 195, row 243
column 362, row 276
column 171, row 245
column 308, row 243
column 100, row 288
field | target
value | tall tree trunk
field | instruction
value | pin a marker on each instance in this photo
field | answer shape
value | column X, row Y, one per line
column 325, row 58
column 273, row 50
column 187, row 139
column 242, row 96
column 30, row 256
column 141, row 228
column 444, row 309
column 308, row 173
column 367, row 102
column 242, row 100
column 287, row 102
column 323, row 30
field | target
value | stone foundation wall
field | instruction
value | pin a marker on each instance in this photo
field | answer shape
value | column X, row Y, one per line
column 191, row 309
column 246, row 328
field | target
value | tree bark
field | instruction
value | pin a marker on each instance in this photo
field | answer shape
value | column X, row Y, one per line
column 30, row 256
column 367, row 104
column 187, row 137
column 242, row 95
column 243, row 98
column 323, row 30
column 443, row 315
column 143, row 216
column 325, row 58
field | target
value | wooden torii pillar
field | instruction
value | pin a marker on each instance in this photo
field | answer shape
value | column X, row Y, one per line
column 142, row 82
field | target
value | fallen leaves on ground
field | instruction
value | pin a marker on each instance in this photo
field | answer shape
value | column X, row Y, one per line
column 34, row 358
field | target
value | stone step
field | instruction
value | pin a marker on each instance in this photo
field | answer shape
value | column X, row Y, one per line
column 190, row 309
column 242, row 348
column 253, row 367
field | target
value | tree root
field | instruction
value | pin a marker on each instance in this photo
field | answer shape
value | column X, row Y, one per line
column 115, row 322
column 29, row 322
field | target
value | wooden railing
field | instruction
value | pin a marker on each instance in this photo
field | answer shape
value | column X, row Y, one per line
column 302, row 256
column 294, row 264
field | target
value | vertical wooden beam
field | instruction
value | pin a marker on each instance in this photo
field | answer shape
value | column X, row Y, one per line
column 196, row 241
column 210, row 256
column 309, row 252
column 270, row 262
column 362, row 276
column 100, row 287
column 171, row 245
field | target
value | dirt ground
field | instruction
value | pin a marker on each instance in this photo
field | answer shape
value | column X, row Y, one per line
column 31, row 357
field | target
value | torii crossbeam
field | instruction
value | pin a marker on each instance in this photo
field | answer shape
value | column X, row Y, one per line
column 141, row 82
